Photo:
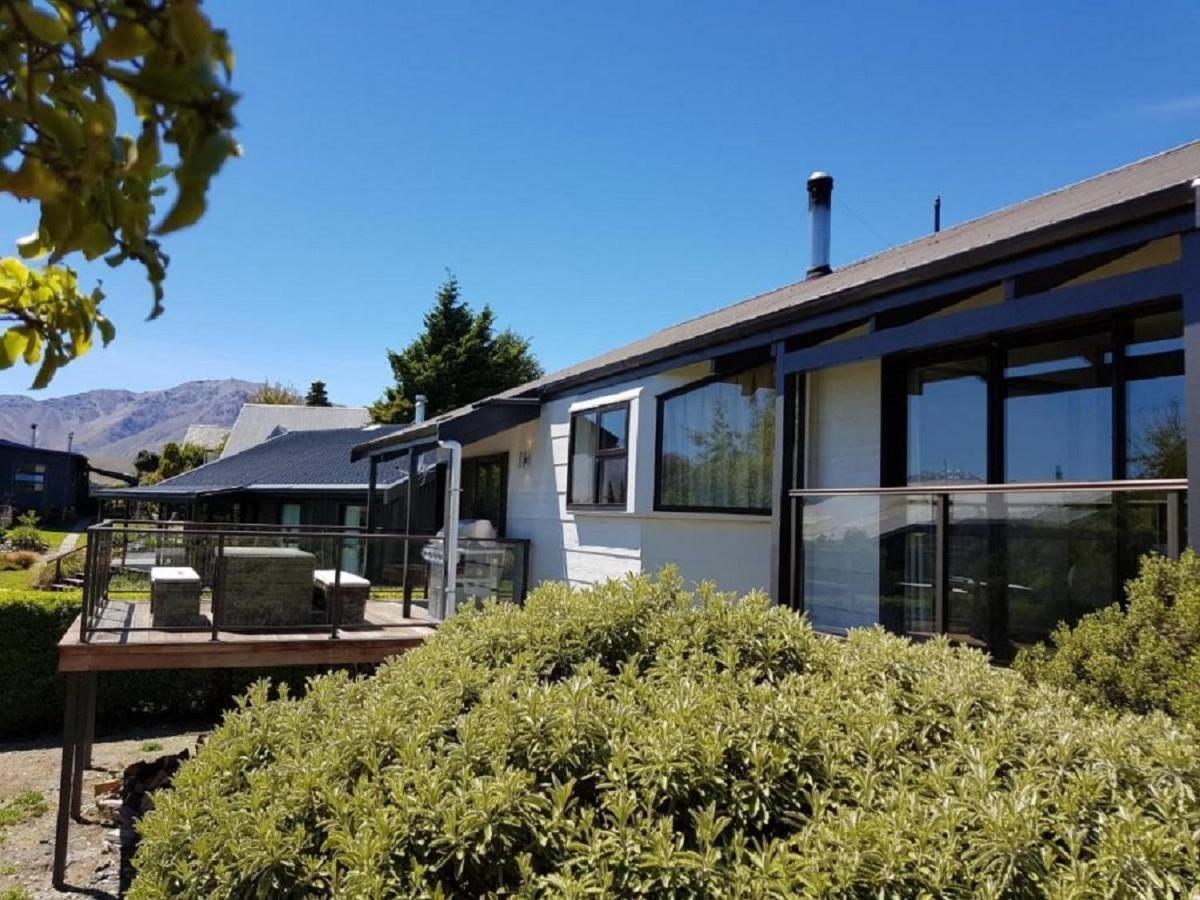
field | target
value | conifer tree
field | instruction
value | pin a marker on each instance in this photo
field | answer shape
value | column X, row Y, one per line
column 317, row 395
column 456, row 360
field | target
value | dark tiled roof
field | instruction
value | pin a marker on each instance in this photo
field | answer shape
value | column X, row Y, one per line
column 314, row 459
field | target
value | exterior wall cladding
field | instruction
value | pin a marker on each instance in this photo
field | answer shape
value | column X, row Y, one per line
column 586, row 546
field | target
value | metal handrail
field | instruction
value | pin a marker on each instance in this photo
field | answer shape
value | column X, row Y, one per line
column 1025, row 487
column 111, row 535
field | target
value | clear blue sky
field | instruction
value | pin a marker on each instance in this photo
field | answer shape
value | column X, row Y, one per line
column 597, row 171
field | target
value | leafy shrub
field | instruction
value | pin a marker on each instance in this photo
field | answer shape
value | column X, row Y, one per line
column 32, row 691
column 17, row 559
column 1143, row 657
column 25, row 535
column 625, row 739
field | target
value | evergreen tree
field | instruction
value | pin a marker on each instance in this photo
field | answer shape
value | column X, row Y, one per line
column 317, row 395
column 456, row 360
column 147, row 461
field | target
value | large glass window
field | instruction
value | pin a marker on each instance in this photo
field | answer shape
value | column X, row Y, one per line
column 599, row 462
column 947, row 422
column 716, row 443
column 1058, row 410
column 1156, row 440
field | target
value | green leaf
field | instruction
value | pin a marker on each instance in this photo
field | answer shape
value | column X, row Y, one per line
column 44, row 27
column 12, row 346
column 126, row 40
column 49, row 366
column 31, row 247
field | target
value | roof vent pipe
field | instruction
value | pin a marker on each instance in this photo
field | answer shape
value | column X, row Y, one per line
column 820, row 198
column 419, row 412
column 33, row 439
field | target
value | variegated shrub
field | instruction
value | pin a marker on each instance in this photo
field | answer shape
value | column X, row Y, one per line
column 633, row 739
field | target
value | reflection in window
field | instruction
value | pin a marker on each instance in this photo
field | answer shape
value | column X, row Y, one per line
column 947, row 422
column 599, row 457
column 717, row 442
column 30, row 478
column 1156, row 441
column 1058, row 411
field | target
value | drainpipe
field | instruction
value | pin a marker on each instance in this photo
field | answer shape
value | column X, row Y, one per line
column 450, row 545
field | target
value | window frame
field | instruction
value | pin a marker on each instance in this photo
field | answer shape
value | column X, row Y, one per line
column 598, row 455
column 895, row 423
column 659, row 506
column 36, row 484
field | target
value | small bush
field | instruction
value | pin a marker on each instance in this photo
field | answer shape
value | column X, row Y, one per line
column 25, row 535
column 1143, row 657
column 630, row 739
column 17, row 559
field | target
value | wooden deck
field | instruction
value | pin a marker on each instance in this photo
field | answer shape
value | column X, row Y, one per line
column 385, row 633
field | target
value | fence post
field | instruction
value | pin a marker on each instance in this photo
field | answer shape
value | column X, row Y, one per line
column 941, row 560
column 217, row 587
column 1174, row 524
column 335, row 602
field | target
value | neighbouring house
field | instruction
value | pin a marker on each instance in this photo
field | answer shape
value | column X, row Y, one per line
column 211, row 437
column 52, row 483
column 256, row 422
column 973, row 434
column 306, row 479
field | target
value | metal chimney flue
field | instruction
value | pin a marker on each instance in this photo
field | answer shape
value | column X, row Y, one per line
column 820, row 201
column 33, row 435
column 419, row 412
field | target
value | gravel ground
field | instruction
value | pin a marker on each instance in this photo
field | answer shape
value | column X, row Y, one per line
column 27, row 849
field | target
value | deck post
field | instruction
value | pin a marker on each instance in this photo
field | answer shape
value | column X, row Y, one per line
column 1191, row 369
column 372, row 515
column 412, row 474
column 91, row 688
column 66, row 779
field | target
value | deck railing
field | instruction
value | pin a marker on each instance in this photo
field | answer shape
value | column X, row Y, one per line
column 995, row 565
column 175, row 576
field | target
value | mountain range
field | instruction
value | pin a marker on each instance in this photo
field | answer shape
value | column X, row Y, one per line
column 111, row 426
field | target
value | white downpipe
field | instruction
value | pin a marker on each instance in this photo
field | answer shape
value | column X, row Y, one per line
column 450, row 547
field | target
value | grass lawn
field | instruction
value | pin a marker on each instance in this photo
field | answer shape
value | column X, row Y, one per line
column 22, row 579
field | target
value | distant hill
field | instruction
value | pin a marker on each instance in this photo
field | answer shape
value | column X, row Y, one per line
column 111, row 426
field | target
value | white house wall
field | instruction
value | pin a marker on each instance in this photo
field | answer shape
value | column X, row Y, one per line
column 582, row 547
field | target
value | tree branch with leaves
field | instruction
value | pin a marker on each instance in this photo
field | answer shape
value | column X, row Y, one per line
column 97, row 189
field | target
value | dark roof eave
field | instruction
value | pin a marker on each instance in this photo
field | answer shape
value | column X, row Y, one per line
column 152, row 493
column 466, row 425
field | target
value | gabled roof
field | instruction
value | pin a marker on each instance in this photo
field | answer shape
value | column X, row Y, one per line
column 207, row 436
column 1145, row 188
column 258, row 421
column 299, row 461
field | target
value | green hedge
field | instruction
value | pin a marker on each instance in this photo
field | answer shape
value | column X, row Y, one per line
column 1143, row 657
column 631, row 739
column 31, row 691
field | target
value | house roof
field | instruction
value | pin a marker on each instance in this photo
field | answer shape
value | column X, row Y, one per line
column 206, row 436
column 258, row 421
column 17, row 445
column 1145, row 188
column 298, row 461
